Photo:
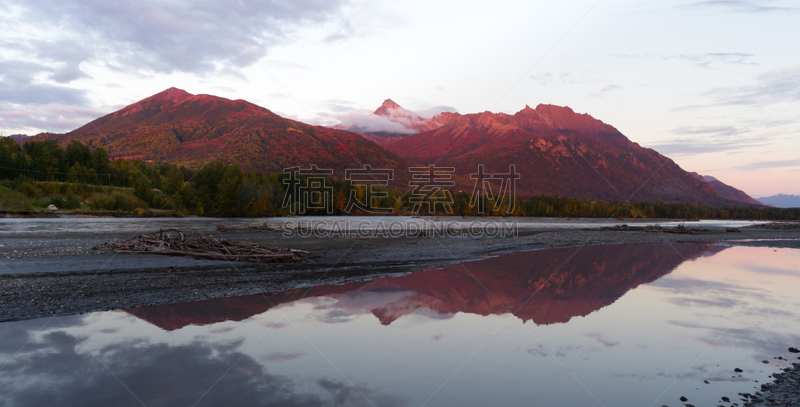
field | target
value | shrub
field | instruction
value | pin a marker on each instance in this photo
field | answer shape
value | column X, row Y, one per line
column 127, row 202
column 28, row 189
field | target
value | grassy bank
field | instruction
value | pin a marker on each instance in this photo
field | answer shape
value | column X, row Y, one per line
column 32, row 196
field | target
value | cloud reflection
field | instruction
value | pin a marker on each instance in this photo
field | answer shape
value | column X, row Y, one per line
column 56, row 370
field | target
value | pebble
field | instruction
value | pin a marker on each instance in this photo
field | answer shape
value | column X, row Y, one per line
column 782, row 391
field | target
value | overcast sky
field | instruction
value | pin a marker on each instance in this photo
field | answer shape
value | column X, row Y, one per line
column 714, row 84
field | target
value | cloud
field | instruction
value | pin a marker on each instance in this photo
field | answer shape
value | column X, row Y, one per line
column 771, row 87
column 344, row 114
column 170, row 36
column 713, row 130
column 280, row 357
column 54, row 117
column 364, row 121
column 781, row 86
column 704, row 60
column 685, row 146
column 707, row 59
column 761, row 165
column 546, row 78
column 19, row 85
column 433, row 111
column 738, row 6
column 603, row 92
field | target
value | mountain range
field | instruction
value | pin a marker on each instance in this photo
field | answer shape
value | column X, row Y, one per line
column 781, row 201
column 556, row 151
column 543, row 286
column 179, row 127
column 19, row 137
column 568, row 154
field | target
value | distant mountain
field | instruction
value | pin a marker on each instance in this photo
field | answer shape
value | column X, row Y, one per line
column 558, row 153
column 392, row 111
column 727, row 191
column 406, row 121
column 543, row 286
column 179, row 127
column 19, row 137
column 781, row 201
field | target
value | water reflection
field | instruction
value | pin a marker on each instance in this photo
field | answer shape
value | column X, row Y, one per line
column 625, row 325
column 545, row 286
column 155, row 374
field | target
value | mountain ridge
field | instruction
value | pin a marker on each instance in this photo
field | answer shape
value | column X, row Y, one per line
column 727, row 191
column 556, row 151
column 562, row 153
column 781, row 201
column 182, row 128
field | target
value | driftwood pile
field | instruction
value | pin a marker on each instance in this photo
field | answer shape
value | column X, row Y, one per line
column 680, row 229
column 256, row 228
column 173, row 242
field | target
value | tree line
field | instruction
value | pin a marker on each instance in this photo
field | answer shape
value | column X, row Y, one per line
column 79, row 177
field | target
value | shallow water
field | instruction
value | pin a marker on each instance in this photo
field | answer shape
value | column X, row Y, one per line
column 616, row 325
column 129, row 225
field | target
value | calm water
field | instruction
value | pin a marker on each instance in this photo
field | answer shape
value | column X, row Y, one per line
column 620, row 325
column 126, row 225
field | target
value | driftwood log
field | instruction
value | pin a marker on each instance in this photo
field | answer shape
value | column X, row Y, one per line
column 173, row 242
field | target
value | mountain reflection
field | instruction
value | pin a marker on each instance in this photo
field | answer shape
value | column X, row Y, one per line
column 545, row 286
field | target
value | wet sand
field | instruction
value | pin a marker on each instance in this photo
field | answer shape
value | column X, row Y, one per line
column 60, row 274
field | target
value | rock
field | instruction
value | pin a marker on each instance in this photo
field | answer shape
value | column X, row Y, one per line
column 794, row 350
column 684, row 399
column 725, row 399
column 705, row 381
column 766, row 362
column 737, row 370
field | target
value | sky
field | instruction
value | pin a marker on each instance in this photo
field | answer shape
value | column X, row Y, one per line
column 712, row 84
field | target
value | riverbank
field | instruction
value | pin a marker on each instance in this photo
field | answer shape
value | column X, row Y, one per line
column 43, row 274
column 784, row 390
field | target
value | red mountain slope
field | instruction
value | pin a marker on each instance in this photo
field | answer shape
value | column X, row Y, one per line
column 726, row 191
column 544, row 286
column 558, row 153
column 179, row 127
